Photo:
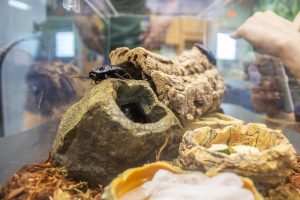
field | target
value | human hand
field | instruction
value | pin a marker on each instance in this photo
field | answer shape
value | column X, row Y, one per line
column 155, row 35
column 274, row 35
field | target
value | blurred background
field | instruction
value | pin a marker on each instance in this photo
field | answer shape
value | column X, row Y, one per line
column 44, row 46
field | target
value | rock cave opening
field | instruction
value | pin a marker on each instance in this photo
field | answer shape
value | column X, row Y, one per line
column 138, row 104
column 134, row 113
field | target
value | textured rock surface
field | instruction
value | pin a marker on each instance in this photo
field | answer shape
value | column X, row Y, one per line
column 188, row 84
column 96, row 140
column 268, row 168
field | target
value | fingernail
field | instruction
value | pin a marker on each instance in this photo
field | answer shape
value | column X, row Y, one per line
column 234, row 35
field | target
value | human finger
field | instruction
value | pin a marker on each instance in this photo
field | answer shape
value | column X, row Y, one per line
column 148, row 42
column 253, row 33
column 240, row 31
column 144, row 35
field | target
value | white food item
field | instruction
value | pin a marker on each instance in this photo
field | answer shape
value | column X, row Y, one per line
column 218, row 147
column 245, row 149
column 166, row 185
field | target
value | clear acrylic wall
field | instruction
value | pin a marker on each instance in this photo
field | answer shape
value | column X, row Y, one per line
column 51, row 42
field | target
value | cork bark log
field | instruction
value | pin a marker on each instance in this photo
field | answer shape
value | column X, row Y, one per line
column 188, row 84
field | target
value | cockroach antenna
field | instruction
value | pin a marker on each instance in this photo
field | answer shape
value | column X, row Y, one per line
column 83, row 77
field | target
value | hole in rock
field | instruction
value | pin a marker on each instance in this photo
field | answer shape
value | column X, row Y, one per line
column 138, row 104
column 198, row 103
column 134, row 113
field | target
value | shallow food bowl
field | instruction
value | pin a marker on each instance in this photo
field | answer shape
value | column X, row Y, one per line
column 268, row 168
column 135, row 177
